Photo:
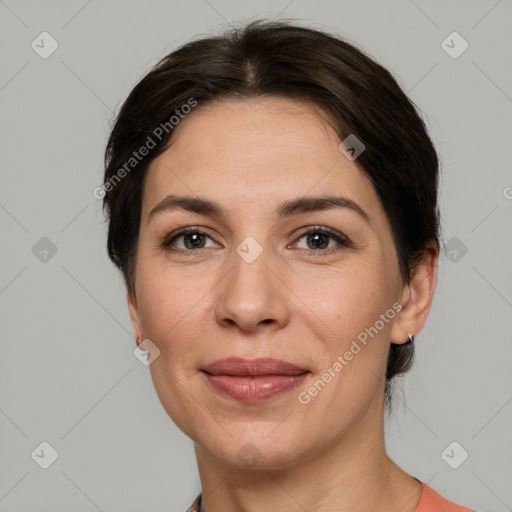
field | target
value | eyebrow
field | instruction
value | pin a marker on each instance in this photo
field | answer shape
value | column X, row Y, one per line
column 295, row 206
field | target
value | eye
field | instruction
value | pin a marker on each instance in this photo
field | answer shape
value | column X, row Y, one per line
column 193, row 239
column 318, row 239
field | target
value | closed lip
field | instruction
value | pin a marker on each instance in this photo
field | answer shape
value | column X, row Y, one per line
column 252, row 367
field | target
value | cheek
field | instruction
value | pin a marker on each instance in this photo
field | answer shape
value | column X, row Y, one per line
column 171, row 320
column 349, row 299
column 356, row 340
column 171, row 309
column 353, row 353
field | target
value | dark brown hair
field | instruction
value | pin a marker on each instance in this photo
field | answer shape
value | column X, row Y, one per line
column 266, row 58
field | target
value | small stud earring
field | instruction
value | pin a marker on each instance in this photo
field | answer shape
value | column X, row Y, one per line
column 410, row 336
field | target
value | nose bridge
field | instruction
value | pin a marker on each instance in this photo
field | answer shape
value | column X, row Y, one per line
column 251, row 291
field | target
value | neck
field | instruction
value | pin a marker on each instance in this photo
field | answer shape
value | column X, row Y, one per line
column 352, row 474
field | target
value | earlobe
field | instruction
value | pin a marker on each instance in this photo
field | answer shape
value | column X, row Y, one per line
column 417, row 297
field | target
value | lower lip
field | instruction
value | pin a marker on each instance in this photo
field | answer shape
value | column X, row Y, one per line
column 256, row 388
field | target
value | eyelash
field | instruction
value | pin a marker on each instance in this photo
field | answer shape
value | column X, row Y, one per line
column 338, row 237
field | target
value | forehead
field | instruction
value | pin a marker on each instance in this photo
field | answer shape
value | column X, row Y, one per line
column 256, row 152
column 242, row 131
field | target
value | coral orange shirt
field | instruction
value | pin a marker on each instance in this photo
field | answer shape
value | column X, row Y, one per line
column 430, row 501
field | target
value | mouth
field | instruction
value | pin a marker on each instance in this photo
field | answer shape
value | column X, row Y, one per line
column 239, row 367
column 253, row 380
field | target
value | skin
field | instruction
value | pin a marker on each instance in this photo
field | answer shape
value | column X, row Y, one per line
column 293, row 303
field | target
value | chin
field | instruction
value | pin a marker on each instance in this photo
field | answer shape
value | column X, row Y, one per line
column 254, row 452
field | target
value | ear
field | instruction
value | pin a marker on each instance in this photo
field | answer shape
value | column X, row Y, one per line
column 416, row 297
column 134, row 314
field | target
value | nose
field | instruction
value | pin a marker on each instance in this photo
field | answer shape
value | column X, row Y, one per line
column 252, row 295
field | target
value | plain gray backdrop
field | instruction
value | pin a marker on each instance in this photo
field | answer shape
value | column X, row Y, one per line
column 69, row 377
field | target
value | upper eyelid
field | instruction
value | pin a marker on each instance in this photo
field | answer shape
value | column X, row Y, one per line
column 204, row 231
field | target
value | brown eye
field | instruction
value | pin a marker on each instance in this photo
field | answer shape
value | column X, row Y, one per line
column 192, row 239
column 321, row 239
column 318, row 239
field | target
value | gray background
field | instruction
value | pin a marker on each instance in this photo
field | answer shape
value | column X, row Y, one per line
column 68, row 373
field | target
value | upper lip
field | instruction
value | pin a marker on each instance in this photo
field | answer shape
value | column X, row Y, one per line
column 248, row 367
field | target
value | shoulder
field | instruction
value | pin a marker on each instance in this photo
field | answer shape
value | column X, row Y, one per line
column 432, row 501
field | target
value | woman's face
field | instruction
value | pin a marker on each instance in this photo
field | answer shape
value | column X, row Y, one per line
column 261, row 281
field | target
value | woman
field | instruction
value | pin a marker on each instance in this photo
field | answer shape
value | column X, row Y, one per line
column 272, row 203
